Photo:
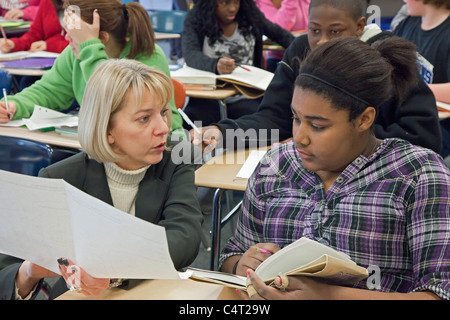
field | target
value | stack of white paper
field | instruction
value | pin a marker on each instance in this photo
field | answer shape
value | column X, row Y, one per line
column 46, row 219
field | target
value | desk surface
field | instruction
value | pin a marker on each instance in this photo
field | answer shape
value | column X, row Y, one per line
column 220, row 171
column 25, row 72
column 162, row 290
column 217, row 94
column 165, row 36
column 50, row 137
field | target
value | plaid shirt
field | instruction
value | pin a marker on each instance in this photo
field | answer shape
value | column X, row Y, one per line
column 389, row 212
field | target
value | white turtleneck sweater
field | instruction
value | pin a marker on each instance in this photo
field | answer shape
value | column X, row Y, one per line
column 123, row 185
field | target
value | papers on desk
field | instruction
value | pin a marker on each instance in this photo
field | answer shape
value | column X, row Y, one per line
column 26, row 54
column 44, row 219
column 250, row 164
column 252, row 82
column 44, row 118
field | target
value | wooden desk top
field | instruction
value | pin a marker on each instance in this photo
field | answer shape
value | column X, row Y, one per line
column 221, row 171
column 25, row 72
column 217, row 94
column 165, row 36
column 162, row 290
column 50, row 137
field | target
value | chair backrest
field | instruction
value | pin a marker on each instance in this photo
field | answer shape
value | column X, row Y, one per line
column 5, row 82
column 23, row 155
column 179, row 94
column 167, row 21
column 157, row 4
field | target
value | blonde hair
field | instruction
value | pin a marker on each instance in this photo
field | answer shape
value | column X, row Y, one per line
column 107, row 91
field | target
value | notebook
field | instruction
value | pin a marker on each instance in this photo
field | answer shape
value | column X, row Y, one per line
column 30, row 63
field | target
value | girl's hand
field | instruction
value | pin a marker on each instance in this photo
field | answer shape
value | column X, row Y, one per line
column 225, row 65
column 14, row 14
column 254, row 256
column 286, row 288
column 38, row 46
column 78, row 280
column 4, row 115
column 79, row 31
column 6, row 45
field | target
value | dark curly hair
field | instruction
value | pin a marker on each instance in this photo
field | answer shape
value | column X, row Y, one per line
column 247, row 17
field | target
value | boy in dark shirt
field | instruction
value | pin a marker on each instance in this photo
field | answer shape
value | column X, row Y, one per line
column 415, row 119
column 428, row 26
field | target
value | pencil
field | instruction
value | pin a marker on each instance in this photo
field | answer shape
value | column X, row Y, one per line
column 238, row 65
column 3, row 32
column 189, row 121
column 6, row 102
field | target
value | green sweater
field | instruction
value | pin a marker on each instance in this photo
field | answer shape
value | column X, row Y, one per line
column 67, row 80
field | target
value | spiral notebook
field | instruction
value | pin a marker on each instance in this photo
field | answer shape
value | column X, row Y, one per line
column 30, row 63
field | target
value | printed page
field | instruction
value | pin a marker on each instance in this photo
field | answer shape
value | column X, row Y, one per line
column 45, row 118
column 46, row 219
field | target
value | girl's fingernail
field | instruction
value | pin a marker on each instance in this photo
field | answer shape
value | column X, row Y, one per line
column 248, row 272
column 238, row 291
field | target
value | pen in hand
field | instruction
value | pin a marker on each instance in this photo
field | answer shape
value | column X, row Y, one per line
column 6, row 103
column 189, row 121
column 241, row 66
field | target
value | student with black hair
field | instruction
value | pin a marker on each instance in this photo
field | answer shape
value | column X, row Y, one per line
column 384, row 203
column 217, row 36
column 414, row 118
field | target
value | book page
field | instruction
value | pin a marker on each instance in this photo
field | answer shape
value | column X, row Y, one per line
column 46, row 219
column 295, row 255
column 255, row 77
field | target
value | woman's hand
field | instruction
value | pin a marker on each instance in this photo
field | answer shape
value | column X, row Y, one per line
column 79, row 31
column 78, row 280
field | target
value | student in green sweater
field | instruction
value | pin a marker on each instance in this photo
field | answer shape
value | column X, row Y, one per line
column 107, row 29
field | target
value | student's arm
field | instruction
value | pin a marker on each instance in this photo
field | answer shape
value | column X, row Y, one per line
column 30, row 12
column 277, row 33
column 56, row 43
column 305, row 288
column 441, row 91
column 192, row 44
column 54, row 90
column 35, row 33
column 274, row 112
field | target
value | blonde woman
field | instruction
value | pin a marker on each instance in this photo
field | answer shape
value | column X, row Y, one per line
column 125, row 162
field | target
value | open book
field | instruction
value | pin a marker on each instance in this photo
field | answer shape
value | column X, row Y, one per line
column 442, row 106
column 252, row 82
column 303, row 257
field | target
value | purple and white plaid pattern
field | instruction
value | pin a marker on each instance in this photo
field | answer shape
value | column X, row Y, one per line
column 391, row 210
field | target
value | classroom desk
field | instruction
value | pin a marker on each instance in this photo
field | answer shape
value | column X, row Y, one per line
column 17, row 31
column 219, row 94
column 49, row 137
column 25, row 72
column 220, row 173
column 166, row 36
column 162, row 290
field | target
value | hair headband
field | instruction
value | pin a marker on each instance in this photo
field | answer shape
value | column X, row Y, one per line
column 336, row 87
